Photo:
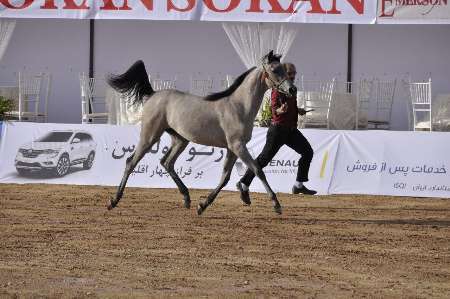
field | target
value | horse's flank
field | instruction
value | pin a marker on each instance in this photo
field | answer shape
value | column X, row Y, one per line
column 205, row 122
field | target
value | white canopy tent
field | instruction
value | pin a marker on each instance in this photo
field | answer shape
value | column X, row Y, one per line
column 253, row 40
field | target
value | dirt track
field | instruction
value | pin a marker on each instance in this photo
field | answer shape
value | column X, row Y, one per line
column 59, row 241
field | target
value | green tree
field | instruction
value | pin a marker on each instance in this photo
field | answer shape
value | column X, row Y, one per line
column 6, row 105
column 266, row 112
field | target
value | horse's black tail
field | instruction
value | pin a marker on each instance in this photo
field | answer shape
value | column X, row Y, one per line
column 134, row 82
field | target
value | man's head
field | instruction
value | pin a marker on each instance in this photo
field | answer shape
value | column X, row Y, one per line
column 290, row 70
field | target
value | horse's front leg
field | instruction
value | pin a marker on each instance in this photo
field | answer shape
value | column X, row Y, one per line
column 131, row 162
column 242, row 152
column 230, row 159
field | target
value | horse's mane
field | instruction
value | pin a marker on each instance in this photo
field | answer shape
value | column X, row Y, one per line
column 227, row 92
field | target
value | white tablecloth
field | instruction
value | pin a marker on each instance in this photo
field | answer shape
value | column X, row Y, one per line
column 342, row 110
column 440, row 111
column 119, row 111
column 440, row 115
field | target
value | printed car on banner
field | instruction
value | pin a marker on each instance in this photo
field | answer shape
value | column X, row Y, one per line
column 56, row 151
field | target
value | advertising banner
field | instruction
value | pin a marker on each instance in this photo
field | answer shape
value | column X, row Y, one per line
column 294, row 11
column 96, row 155
column 413, row 12
column 282, row 170
column 344, row 162
column 393, row 163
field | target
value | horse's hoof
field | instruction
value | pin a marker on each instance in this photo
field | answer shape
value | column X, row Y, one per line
column 187, row 204
column 110, row 205
column 201, row 208
column 277, row 209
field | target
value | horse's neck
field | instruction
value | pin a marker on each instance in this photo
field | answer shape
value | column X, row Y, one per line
column 250, row 94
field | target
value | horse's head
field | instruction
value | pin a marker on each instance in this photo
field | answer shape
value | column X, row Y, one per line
column 275, row 75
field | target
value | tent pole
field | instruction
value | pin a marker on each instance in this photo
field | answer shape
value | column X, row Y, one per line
column 91, row 54
column 91, row 47
column 349, row 55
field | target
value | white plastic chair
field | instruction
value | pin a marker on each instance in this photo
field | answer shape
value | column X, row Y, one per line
column 28, row 106
column 362, row 91
column 93, row 99
column 348, row 97
column 316, row 95
column 344, row 106
column 128, row 113
column 384, row 97
column 226, row 82
column 365, row 91
column 201, row 86
column 420, row 96
column 162, row 84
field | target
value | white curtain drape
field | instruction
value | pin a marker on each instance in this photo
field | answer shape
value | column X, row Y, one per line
column 6, row 30
column 254, row 40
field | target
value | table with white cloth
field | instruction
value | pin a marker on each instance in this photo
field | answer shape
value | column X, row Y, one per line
column 440, row 113
column 120, row 110
column 343, row 110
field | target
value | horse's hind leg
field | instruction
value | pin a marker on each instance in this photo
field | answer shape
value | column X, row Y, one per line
column 168, row 162
column 241, row 151
column 145, row 144
column 230, row 159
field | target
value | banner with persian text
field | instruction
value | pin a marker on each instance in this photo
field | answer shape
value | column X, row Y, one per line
column 293, row 11
column 96, row 155
column 345, row 162
column 393, row 163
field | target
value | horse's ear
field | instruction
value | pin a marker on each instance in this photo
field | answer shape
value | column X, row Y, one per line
column 273, row 57
column 270, row 56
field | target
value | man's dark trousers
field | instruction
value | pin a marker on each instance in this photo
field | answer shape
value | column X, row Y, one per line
column 277, row 136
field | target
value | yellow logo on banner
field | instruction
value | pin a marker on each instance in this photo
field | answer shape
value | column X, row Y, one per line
column 324, row 164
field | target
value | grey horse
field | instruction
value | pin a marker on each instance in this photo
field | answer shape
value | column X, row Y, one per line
column 224, row 119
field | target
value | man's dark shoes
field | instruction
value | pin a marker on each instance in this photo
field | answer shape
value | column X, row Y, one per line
column 302, row 190
column 245, row 197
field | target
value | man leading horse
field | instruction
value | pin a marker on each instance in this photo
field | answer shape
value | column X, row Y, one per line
column 283, row 131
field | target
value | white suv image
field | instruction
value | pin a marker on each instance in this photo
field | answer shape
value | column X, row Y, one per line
column 56, row 151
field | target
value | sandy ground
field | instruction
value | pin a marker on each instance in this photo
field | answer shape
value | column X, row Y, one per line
column 59, row 241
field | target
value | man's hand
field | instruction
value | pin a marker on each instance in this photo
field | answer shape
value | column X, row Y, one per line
column 282, row 109
column 302, row 111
